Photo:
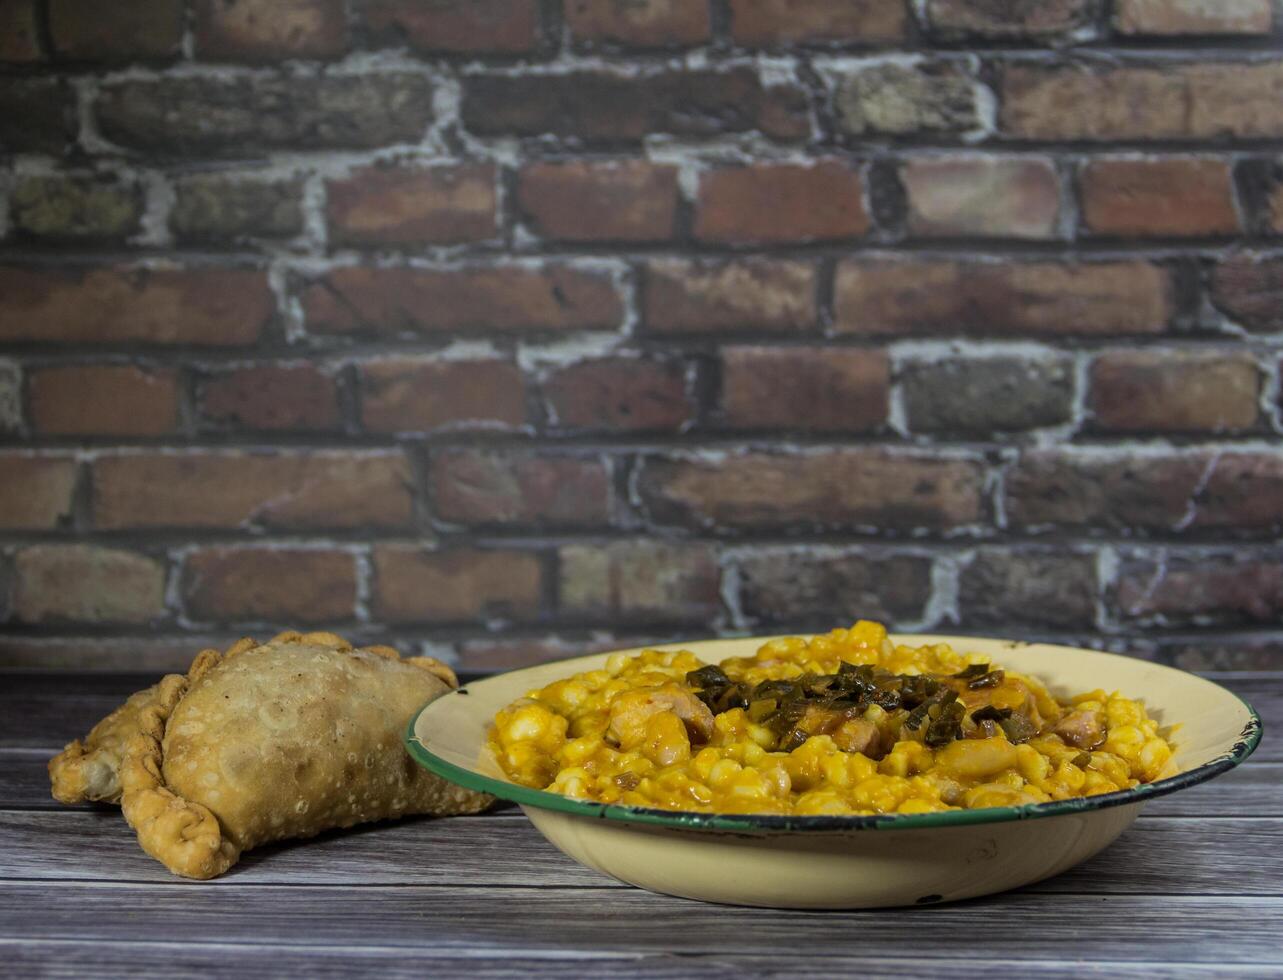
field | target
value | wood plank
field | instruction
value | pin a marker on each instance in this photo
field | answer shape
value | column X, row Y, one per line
column 508, row 921
column 1167, row 856
column 75, row 960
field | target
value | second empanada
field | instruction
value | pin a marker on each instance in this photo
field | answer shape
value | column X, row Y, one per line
column 266, row 742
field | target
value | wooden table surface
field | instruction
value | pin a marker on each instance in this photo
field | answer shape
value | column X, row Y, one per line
column 1195, row 888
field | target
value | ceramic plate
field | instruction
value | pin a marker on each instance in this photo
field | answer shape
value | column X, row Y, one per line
column 835, row 861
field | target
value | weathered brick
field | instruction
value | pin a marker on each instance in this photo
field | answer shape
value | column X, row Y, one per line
column 588, row 201
column 398, row 206
column 425, row 395
column 1169, row 17
column 1232, row 653
column 650, row 580
column 1035, row 20
column 117, row 400
column 682, row 296
column 1176, row 101
column 934, row 296
column 88, row 584
column 37, row 115
column 620, row 394
column 491, row 654
column 903, row 99
column 281, row 585
column 822, row 587
column 1174, row 196
column 1249, row 290
column 206, row 307
column 805, row 388
column 235, row 116
column 1001, row 588
column 456, row 26
column 135, row 29
column 267, row 31
column 35, row 491
column 481, row 298
column 1201, row 590
column 234, row 489
column 638, row 23
column 222, row 209
column 1174, row 492
column 839, row 488
column 295, row 397
column 11, row 415
column 133, row 654
column 19, row 37
column 600, row 106
column 768, row 22
column 982, row 197
column 75, row 208
column 459, row 585
column 474, row 487
column 1274, row 205
column 1164, row 391
column 768, row 203
column 980, row 395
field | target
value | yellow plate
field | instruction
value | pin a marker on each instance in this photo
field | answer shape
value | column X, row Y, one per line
column 852, row 861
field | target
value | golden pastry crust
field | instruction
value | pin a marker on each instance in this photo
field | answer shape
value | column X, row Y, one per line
column 288, row 739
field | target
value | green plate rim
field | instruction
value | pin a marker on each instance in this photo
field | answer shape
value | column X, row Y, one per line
column 1249, row 738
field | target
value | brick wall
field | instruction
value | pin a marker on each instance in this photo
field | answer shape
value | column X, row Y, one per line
column 509, row 328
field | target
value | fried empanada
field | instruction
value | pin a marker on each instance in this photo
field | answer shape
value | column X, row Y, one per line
column 265, row 742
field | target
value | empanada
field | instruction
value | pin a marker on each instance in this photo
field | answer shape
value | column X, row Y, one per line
column 265, row 742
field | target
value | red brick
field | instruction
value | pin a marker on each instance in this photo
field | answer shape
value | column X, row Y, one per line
column 205, row 307
column 494, row 298
column 892, row 98
column 768, row 22
column 103, row 400
column 1153, row 493
column 35, row 491
column 1163, row 391
column 423, row 395
column 88, row 584
column 1174, row 17
column 460, row 585
column 650, row 580
column 267, row 31
column 982, row 197
column 1249, row 290
column 767, row 203
column 1003, row 19
column 271, row 398
column 135, row 29
column 456, row 26
column 472, row 487
column 681, row 296
column 935, row 296
column 601, row 106
column 1176, row 101
column 1176, row 197
column 835, row 489
column 280, row 585
column 587, row 201
column 1049, row 590
column 1201, row 590
column 234, row 489
column 1230, row 653
column 819, row 588
column 638, row 23
column 438, row 205
column 1274, row 201
column 19, row 38
column 224, row 115
column 804, row 388
column 620, row 394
